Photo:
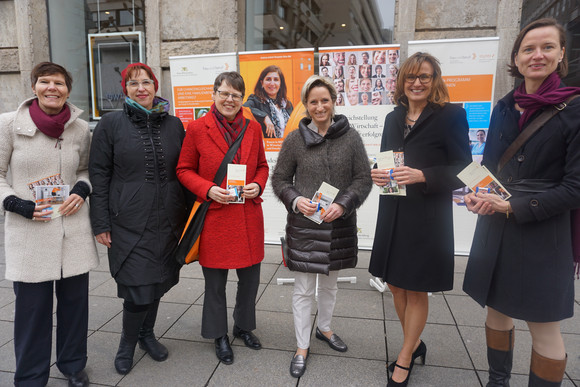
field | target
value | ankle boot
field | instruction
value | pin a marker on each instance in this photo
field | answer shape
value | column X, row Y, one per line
column 147, row 340
column 132, row 323
column 546, row 372
column 500, row 352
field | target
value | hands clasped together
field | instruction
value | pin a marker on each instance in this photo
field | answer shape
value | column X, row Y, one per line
column 402, row 175
column 71, row 206
column 223, row 196
column 333, row 212
column 486, row 203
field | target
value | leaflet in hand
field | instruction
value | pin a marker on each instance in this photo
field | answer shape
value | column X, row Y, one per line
column 324, row 198
column 55, row 195
column 389, row 160
column 235, row 182
column 50, row 180
column 479, row 179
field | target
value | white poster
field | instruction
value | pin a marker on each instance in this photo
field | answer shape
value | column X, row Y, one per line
column 192, row 78
column 469, row 67
column 365, row 79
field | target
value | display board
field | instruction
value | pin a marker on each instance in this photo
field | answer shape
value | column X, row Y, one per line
column 192, row 78
column 274, row 81
column 469, row 69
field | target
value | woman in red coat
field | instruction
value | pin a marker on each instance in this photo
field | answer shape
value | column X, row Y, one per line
column 233, row 234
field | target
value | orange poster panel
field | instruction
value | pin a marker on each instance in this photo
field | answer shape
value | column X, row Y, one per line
column 467, row 88
column 295, row 67
column 195, row 96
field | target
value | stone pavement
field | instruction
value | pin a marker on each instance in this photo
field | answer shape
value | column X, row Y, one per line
column 363, row 317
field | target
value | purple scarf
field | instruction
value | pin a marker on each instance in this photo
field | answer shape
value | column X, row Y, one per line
column 50, row 124
column 230, row 130
column 549, row 93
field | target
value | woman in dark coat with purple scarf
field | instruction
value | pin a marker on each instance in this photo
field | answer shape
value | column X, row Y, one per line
column 521, row 264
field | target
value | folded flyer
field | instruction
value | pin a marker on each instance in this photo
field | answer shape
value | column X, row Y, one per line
column 387, row 161
column 479, row 179
column 324, row 198
column 235, row 182
column 55, row 195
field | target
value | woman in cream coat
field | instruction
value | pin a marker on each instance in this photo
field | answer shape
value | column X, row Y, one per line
column 42, row 138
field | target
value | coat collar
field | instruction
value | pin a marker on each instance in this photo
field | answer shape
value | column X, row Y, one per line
column 339, row 127
column 401, row 113
column 24, row 125
column 217, row 137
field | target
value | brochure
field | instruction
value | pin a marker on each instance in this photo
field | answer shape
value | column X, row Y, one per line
column 235, row 182
column 389, row 160
column 55, row 195
column 479, row 179
column 50, row 180
column 324, row 198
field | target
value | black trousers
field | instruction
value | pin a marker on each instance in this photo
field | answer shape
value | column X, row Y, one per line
column 214, row 322
column 33, row 328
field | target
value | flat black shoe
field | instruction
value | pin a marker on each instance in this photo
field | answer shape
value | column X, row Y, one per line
column 223, row 350
column 80, row 379
column 420, row 352
column 154, row 348
column 298, row 365
column 250, row 340
column 334, row 342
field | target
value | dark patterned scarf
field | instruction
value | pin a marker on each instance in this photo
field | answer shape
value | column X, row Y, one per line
column 230, row 130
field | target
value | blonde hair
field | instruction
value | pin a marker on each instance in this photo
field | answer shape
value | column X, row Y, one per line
column 317, row 81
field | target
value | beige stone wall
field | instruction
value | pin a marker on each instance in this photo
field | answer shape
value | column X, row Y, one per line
column 451, row 19
column 23, row 43
column 185, row 27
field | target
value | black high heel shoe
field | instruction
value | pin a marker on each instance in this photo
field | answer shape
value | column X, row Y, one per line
column 421, row 352
column 392, row 383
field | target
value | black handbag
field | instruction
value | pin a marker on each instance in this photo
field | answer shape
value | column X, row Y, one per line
column 187, row 250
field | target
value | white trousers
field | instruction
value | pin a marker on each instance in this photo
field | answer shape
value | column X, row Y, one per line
column 304, row 289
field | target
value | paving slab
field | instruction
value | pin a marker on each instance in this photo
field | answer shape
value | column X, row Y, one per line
column 333, row 371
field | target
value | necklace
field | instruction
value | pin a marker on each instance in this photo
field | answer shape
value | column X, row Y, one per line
column 412, row 120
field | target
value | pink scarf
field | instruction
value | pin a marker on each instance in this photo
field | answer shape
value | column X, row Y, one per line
column 50, row 124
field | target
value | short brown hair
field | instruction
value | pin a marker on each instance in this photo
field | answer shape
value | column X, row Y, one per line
column 233, row 79
column 48, row 68
column 562, row 68
column 439, row 93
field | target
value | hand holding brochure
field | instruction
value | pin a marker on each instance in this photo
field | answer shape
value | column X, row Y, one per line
column 55, row 195
column 389, row 160
column 324, row 198
column 479, row 179
column 235, row 182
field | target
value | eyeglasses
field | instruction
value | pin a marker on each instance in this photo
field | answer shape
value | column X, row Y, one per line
column 225, row 95
column 144, row 83
column 423, row 78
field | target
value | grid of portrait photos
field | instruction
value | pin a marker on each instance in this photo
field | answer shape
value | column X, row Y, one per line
column 365, row 77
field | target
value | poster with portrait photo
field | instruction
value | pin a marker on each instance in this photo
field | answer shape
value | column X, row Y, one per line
column 365, row 109
column 274, row 81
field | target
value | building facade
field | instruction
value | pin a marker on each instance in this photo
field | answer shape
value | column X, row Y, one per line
column 74, row 33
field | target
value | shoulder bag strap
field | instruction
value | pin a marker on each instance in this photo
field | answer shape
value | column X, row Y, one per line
column 221, row 172
column 532, row 128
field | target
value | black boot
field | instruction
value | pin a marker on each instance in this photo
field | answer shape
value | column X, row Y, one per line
column 500, row 353
column 132, row 323
column 545, row 372
column 147, row 340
